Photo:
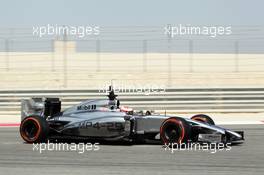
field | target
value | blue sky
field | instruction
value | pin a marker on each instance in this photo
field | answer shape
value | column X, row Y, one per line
column 25, row 13
column 136, row 20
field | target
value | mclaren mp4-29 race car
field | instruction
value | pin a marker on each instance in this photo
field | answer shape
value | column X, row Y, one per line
column 107, row 120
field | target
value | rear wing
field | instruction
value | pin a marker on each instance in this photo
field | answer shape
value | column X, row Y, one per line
column 40, row 106
column 32, row 106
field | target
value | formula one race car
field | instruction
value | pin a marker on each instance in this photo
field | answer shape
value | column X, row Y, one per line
column 107, row 120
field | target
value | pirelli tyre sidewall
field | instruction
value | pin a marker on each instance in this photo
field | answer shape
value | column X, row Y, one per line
column 178, row 127
column 34, row 129
column 203, row 118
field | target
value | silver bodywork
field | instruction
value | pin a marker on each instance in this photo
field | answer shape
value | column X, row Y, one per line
column 103, row 119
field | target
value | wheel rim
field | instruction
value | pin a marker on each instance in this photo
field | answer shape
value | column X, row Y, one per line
column 172, row 133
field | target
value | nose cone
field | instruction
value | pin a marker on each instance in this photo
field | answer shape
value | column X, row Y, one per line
column 235, row 136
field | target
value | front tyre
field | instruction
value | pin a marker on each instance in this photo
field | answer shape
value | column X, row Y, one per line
column 174, row 130
column 34, row 129
column 203, row 118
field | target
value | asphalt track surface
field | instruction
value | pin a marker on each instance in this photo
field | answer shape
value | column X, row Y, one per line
column 17, row 157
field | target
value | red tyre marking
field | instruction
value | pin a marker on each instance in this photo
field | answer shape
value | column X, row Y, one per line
column 173, row 121
column 199, row 119
column 24, row 135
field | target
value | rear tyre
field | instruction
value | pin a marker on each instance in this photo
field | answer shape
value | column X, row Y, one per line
column 203, row 118
column 34, row 129
column 174, row 130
